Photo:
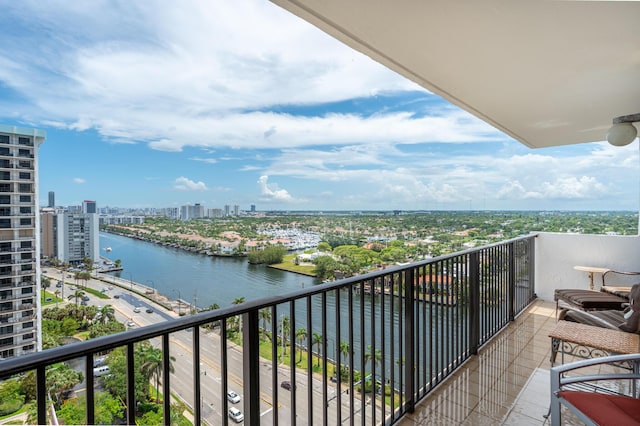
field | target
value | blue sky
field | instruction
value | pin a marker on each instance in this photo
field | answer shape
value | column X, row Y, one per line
column 161, row 104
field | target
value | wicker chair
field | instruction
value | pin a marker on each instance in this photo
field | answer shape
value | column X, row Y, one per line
column 595, row 405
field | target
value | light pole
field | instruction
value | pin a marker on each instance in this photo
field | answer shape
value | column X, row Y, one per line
column 179, row 302
column 131, row 280
column 153, row 286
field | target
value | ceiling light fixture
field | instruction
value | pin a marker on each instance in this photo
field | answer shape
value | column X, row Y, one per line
column 623, row 132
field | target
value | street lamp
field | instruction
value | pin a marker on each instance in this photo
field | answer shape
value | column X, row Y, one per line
column 153, row 286
column 179, row 302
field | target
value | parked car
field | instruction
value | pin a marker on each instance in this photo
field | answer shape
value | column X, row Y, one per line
column 233, row 397
column 59, row 284
column 116, row 296
column 85, row 298
column 236, row 415
column 149, row 311
column 131, row 324
column 286, row 385
column 137, row 309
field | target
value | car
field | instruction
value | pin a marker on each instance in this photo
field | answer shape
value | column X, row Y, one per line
column 137, row 309
column 59, row 284
column 48, row 299
column 236, row 415
column 85, row 298
column 73, row 287
column 286, row 385
column 233, row 397
column 83, row 303
column 45, row 271
column 116, row 296
column 131, row 324
column 110, row 287
column 149, row 310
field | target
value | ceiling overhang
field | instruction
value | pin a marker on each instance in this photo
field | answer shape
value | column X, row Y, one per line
column 547, row 73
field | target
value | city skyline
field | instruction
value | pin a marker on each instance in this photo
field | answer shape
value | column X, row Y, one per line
column 161, row 105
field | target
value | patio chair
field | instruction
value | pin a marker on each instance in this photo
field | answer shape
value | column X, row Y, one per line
column 613, row 294
column 585, row 396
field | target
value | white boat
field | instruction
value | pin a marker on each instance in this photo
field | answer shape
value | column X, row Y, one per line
column 107, row 249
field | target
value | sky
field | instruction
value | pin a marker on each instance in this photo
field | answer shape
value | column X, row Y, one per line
column 162, row 104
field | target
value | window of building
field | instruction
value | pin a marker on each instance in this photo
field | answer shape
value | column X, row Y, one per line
column 26, row 268
column 24, row 187
column 4, row 139
column 25, row 221
column 5, row 223
column 27, row 324
column 25, row 175
column 25, row 198
column 7, row 354
column 27, row 314
column 5, row 211
column 24, row 141
column 5, row 187
column 27, row 290
column 27, row 336
column 5, row 199
column 25, row 210
column 7, row 341
column 27, row 348
column 25, row 164
column 6, row 330
column 24, row 153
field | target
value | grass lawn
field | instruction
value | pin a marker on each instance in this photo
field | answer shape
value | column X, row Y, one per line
column 288, row 265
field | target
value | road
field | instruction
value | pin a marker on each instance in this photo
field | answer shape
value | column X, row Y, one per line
column 210, row 367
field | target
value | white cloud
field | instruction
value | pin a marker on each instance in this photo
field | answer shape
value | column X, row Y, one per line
column 272, row 193
column 204, row 160
column 184, row 184
column 79, row 180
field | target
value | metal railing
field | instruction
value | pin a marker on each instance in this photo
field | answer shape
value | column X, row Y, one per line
column 362, row 350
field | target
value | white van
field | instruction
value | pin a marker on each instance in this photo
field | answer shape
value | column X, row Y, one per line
column 101, row 371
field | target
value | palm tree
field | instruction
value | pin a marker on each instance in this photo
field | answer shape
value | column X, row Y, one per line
column 45, row 282
column 238, row 301
column 301, row 334
column 286, row 328
column 316, row 339
column 57, row 293
column 78, row 294
column 106, row 313
column 152, row 366
column 265, row 316
column 345, row 350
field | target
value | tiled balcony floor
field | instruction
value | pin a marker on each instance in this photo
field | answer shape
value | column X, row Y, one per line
column 506, row 383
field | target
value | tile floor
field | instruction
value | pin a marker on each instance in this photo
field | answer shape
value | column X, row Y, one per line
column 507, row 383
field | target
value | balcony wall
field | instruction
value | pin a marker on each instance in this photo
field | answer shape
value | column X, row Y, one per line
column 556, row 255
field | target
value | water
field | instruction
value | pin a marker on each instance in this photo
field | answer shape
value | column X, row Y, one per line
column 205, row 280
column 191, row 276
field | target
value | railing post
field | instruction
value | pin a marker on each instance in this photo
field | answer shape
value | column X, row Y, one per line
column 474, row 302
column 166, row 374
column 131, row 387
column 41, row 394
column 511, row 280
column 409, row 340
column 251, row 367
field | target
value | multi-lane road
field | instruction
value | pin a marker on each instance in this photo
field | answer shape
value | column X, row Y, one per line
column 182, row 380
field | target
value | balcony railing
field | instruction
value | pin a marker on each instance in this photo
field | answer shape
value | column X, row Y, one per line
column 397, row 333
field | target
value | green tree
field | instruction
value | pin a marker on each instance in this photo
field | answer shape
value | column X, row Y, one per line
column 324, row 247
column 61, row 378
column 152, row 366
column 301, row 334
column 316, row 339
column 106, row 314
column 264, row 315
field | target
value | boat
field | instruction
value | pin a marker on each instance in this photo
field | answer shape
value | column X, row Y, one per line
column 107, row 249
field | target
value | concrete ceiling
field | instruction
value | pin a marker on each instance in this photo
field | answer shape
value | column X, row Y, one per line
column 546, row 73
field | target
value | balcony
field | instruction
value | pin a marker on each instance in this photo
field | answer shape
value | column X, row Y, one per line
column 472, row 329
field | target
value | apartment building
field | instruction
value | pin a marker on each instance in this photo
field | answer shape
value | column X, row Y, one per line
column 19, row 241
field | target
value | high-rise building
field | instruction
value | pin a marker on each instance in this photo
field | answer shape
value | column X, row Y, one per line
column 77, row 237
column 19, row 241
column 236, row 210
column 52, row 199
column 253, row 208
column 89, row 206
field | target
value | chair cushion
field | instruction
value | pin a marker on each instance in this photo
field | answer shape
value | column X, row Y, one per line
column 606, row 319
column 604, row 409
column 590, row 299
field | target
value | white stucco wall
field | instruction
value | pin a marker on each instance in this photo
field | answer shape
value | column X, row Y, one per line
column 557, row 254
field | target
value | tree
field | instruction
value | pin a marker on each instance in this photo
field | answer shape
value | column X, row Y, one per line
column 286, row 329
column 152, row 366
column 301, row 334
column 78, row 294
column 61, row 378
column 316, row 339
column 106, row 314
column 264, row 315
column 45, row 282
column 324, row 247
